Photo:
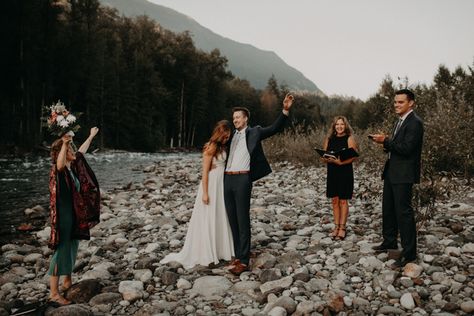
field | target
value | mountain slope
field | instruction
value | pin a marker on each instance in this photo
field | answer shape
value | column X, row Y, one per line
column 245, row 61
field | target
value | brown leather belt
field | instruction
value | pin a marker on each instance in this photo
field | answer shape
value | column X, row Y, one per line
column 237, row 172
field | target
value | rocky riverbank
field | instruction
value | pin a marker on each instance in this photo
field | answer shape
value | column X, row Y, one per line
column 297, row 269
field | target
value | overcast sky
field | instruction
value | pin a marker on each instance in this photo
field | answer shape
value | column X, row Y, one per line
column 347, row 47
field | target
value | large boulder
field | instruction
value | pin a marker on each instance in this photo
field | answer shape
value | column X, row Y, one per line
column 105, row 298
column 83, row 291
column 271, row 286
column 70, row 310
column 131, row 290
column 211, row 285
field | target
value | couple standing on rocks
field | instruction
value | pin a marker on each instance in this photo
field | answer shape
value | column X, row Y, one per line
column 220, row 224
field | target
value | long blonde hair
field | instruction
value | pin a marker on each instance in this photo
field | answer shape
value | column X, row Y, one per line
column 215, row 145
column 332, row 130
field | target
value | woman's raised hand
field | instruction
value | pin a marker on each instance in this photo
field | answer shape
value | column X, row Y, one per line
column 94, row 131
column 66, row 139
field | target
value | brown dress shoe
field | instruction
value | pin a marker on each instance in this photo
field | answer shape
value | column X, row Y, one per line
column 232, row 264
column 239, row 268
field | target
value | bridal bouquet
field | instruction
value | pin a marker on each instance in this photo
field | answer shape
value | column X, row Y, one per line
column 60, row 121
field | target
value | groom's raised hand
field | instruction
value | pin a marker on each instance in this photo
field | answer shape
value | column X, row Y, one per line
column 288, row 102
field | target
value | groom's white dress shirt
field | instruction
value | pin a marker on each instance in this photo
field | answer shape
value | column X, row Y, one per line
column 239, row 157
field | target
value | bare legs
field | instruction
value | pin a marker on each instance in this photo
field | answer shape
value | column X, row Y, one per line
column 67, row 282
column 54, row 287
column 340, row 210
column 337, row 216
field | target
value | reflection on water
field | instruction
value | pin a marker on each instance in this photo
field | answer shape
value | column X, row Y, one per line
column 24, row 181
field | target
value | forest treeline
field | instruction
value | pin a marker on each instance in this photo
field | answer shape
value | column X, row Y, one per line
column 446, row 106
column 145, row 87
column 150, row 89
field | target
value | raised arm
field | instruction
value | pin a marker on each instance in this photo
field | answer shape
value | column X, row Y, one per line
column 85, row 146
column 279, row 122
column 206, row 167
column 61, row 160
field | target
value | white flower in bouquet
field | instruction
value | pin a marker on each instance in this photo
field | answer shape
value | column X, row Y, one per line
column 63, row 123
column 58, row 108
column 71, row 118
column 60, row 120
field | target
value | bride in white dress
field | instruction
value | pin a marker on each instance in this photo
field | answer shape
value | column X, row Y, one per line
column 209, row 237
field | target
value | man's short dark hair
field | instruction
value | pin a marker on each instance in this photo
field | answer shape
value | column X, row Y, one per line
column 243, row 109
column 410, row 95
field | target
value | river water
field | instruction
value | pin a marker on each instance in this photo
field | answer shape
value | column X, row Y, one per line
column 24, row 181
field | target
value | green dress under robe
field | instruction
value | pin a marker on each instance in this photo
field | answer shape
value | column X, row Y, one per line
column 64, row 257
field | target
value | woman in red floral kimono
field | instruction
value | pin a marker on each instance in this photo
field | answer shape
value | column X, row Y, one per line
column 74, row 208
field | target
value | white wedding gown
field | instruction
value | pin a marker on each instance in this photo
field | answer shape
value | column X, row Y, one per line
column 209, row 237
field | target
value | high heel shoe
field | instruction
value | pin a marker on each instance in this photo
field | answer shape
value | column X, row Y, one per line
column 341, row 234
column 335, row 231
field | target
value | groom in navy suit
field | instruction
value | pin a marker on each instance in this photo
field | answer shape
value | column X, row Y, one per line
column 246, row 162
column 401, row 171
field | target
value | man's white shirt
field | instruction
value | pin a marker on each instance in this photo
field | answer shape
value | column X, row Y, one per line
column 239, row 157
column 405, row 116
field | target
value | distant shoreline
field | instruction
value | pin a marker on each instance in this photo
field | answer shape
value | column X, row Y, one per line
column 15, row 152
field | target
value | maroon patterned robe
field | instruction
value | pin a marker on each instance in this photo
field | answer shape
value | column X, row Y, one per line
column 86, row 203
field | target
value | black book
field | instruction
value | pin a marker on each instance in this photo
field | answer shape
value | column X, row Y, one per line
column 342, row 154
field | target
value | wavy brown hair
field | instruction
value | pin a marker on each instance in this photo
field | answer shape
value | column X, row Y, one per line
column 216, row 144
column 332, row 130
column 55, row 149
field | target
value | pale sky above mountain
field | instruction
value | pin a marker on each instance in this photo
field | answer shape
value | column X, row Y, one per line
column 347, row 47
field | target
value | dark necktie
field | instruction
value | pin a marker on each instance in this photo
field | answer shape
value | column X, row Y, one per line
column 399, row 123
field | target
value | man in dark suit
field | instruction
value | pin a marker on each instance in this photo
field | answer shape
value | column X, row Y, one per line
column 246, row 162
column 401, row 171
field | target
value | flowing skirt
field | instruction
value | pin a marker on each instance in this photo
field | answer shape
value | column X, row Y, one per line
column 64, row 258
column 209, row 237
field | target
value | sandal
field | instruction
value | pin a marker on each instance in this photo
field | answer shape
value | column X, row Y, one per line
column 335, row 231
column 341, row 234
column 59, row 300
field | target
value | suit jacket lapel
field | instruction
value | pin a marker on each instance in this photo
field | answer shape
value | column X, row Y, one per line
column 404, row 123
column 251, row 141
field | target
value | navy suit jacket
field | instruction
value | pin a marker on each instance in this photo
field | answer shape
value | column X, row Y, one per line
column 259, row 166
column 404, row 165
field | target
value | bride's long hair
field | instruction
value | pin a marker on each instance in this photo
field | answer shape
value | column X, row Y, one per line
column 219, row 138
